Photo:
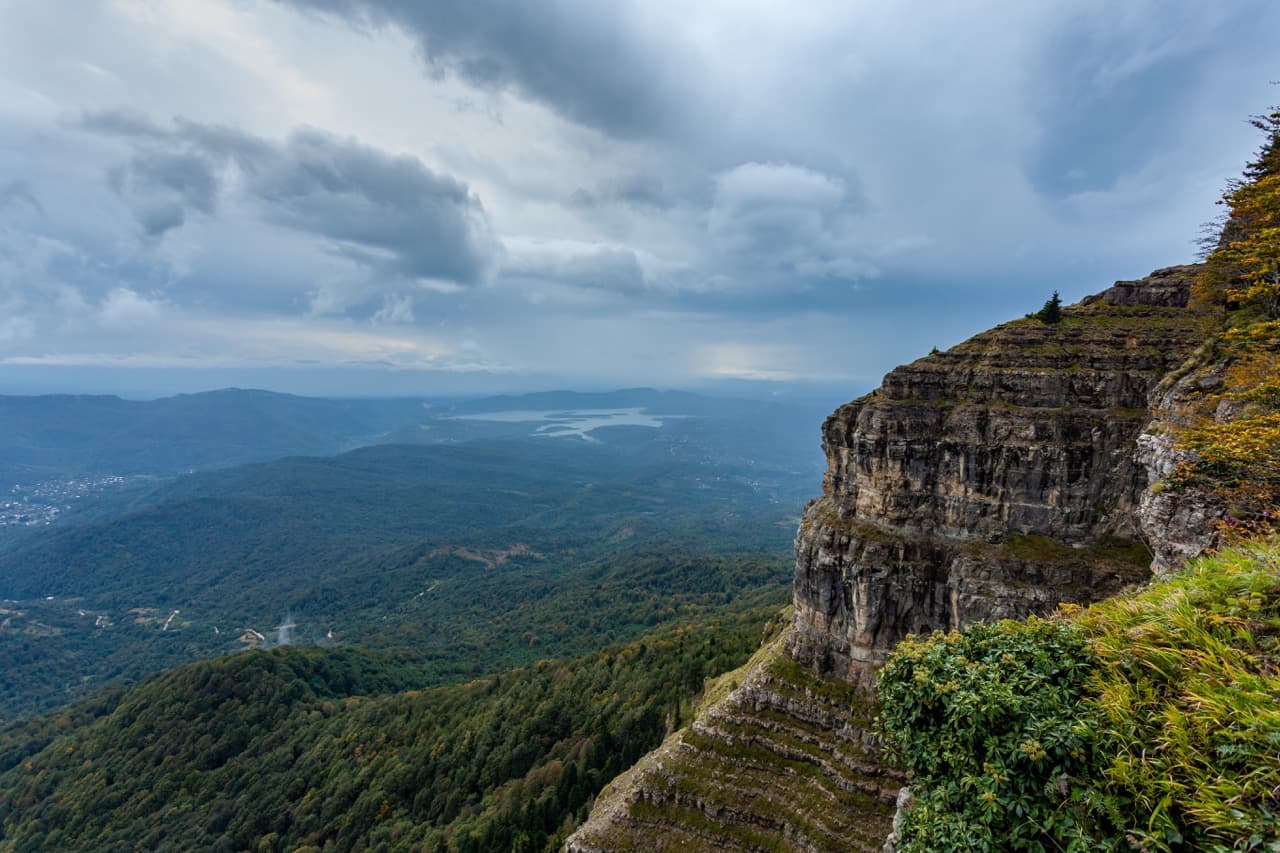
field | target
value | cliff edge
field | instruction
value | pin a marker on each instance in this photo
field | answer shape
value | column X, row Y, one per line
column 991, row 481
column 996, row 479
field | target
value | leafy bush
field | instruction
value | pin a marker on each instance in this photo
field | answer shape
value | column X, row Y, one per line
column 993, row 726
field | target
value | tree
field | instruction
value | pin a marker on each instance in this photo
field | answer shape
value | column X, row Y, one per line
column 1052, row 311
column 1243, row 269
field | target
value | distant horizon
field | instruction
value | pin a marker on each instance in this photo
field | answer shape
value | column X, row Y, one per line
column 183, row 386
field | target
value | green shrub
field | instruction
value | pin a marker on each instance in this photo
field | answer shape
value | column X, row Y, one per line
column 1051, row 312
column 993, row 725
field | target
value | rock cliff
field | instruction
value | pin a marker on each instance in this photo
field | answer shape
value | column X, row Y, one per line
column 994, row 480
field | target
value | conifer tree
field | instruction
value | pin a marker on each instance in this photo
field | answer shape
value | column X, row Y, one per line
column 1052, row 311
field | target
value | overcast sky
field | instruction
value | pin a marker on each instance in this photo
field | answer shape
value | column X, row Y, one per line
column 374, row 196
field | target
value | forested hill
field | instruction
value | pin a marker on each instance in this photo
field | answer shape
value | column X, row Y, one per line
column 475, row 557
column 304, row 749
column 55, row 437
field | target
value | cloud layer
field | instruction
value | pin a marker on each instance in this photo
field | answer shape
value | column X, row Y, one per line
column 575, row 192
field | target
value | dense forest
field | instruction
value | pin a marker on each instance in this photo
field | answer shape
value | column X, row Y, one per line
column 309, row 749
column 472, row 558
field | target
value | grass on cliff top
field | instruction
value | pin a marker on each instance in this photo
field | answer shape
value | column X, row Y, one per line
column 1150, row 721
column 718, row 689
column 1188, row 686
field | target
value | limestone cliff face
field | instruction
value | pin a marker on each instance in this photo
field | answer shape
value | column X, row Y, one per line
column 994, row 480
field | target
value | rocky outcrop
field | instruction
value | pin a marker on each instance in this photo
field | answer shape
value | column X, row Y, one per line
column 1169, row 287
column 1179, row 523
column 994, row 480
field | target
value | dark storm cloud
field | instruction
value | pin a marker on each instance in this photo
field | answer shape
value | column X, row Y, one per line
column 122, row 122
column 162, row 185
column 1102, row 120
column 592, row 62
column 389, row 213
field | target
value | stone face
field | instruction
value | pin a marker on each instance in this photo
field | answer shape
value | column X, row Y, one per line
column 1169, row 287
column 994, row 480
column 1177, row 523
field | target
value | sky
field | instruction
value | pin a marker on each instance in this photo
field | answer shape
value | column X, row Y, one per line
column 354, row 197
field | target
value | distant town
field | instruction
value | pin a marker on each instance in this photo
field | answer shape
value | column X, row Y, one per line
column 39, row 504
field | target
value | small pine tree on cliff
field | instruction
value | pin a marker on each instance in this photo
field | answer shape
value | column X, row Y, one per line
column 1052, row 310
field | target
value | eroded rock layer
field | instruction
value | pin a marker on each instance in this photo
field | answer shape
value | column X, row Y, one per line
column 993, row 480
column 778, row 759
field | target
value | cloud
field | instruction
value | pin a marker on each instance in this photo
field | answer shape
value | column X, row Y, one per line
column 1121, row 84
column 788, row 217
column 388, row 213
column 633, row 190
column 585, row 266
column 395, row 310
column 160, row 186
column 124, row 310
column 670, row 189
column 17, row 193
column 597, row 64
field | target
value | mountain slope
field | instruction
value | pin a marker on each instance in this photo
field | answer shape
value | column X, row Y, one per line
column 287, row 749
column 466, row 555
column 64, row 435
column 777, row 758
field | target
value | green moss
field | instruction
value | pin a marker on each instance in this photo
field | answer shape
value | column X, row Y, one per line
column 1110, row 550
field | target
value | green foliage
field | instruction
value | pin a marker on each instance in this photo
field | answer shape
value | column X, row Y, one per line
column 989, row 724
column 286, row 750
column 1243, row 269
column 1149, row 722
column 1051, row 312
column 1231, row 421
column 1188, row 685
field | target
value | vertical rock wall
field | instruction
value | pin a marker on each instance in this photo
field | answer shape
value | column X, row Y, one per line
column 994, row 480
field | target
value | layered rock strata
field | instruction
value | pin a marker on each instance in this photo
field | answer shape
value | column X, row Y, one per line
column 778, row 759
column 994, row 480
